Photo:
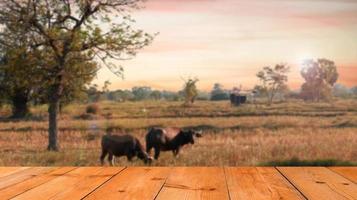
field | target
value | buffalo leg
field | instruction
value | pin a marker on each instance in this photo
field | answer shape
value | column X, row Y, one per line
column 148, row 148
column 111, row 159
column 157, row 153
column 176, row 152
column 130, row 157
column 102, row 157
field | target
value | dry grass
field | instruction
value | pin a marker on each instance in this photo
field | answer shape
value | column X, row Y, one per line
column 247, row 135
column 240, row 147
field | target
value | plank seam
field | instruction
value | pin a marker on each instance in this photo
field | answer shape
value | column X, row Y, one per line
column 163, row 184
column 340, row 174
column 225, row 178
column 41, row 183
column 291, row 183
column 100, row 185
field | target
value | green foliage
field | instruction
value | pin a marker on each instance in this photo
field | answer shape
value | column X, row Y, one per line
column 72, row 32
column 156, row 95
column 171, row 96
column 273, row 81
column 141, row 93
column 121, row 95
column 342, row 91
column 320, row 76
column 19, row 75
column 93, row 93
column 218, row 93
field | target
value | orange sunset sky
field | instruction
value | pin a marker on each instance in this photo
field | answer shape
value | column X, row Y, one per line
column 229, row 41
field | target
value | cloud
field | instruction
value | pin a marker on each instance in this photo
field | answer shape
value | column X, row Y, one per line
column 310, row 12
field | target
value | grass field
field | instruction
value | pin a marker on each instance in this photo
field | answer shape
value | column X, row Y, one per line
column 285, row 133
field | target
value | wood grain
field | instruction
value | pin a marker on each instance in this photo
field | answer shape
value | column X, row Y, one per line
column 21, row 175
column 87, row 185
column 178, row 183
column 133, row 183
column 259, row 183
column 26, row 185
column 61, row 184
column 4, row 171
column 320, row 183
column 347, row 172
column 195, row 183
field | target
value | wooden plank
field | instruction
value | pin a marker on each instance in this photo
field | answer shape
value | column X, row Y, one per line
column 347, row 172
column 88, row 184
column 195, row 183
column 5, row 171
column 133, row 183
column 22, row 175
column 26, row 185
column 259, row 183
column 61, row 184
column 320, row 183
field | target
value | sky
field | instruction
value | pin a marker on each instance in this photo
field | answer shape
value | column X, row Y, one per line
column 229, row 41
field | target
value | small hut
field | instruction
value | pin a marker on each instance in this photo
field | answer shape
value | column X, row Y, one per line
column 237, row 98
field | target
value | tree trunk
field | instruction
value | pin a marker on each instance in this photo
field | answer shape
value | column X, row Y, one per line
column 20, row 105
column 52, row 128
column 53, row 109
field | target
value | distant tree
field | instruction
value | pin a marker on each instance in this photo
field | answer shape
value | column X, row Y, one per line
column 141, row 93
column 126, row 95
column 354, row 90
column 67, row 28
column 106, row 85
column 320, row 76
column 218, row 93
column 171, row 96
column 260, row 91
column 120, row 95
column 273, row 81
column 203, row 96
column 342, row 91
column 156, row 95
column 105, row 90
column 190, row 91
column 93, row 93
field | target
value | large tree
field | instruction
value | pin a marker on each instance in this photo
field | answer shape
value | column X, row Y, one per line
column 320, row 76
column 97, row 30
column 273, row 81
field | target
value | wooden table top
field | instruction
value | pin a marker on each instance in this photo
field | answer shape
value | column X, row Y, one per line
column 178, row 183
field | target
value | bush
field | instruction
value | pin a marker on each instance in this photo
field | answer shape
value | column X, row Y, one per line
column 92, row 109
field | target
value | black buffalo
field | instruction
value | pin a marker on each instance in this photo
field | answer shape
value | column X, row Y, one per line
column 122, row 145
column 169, row 139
